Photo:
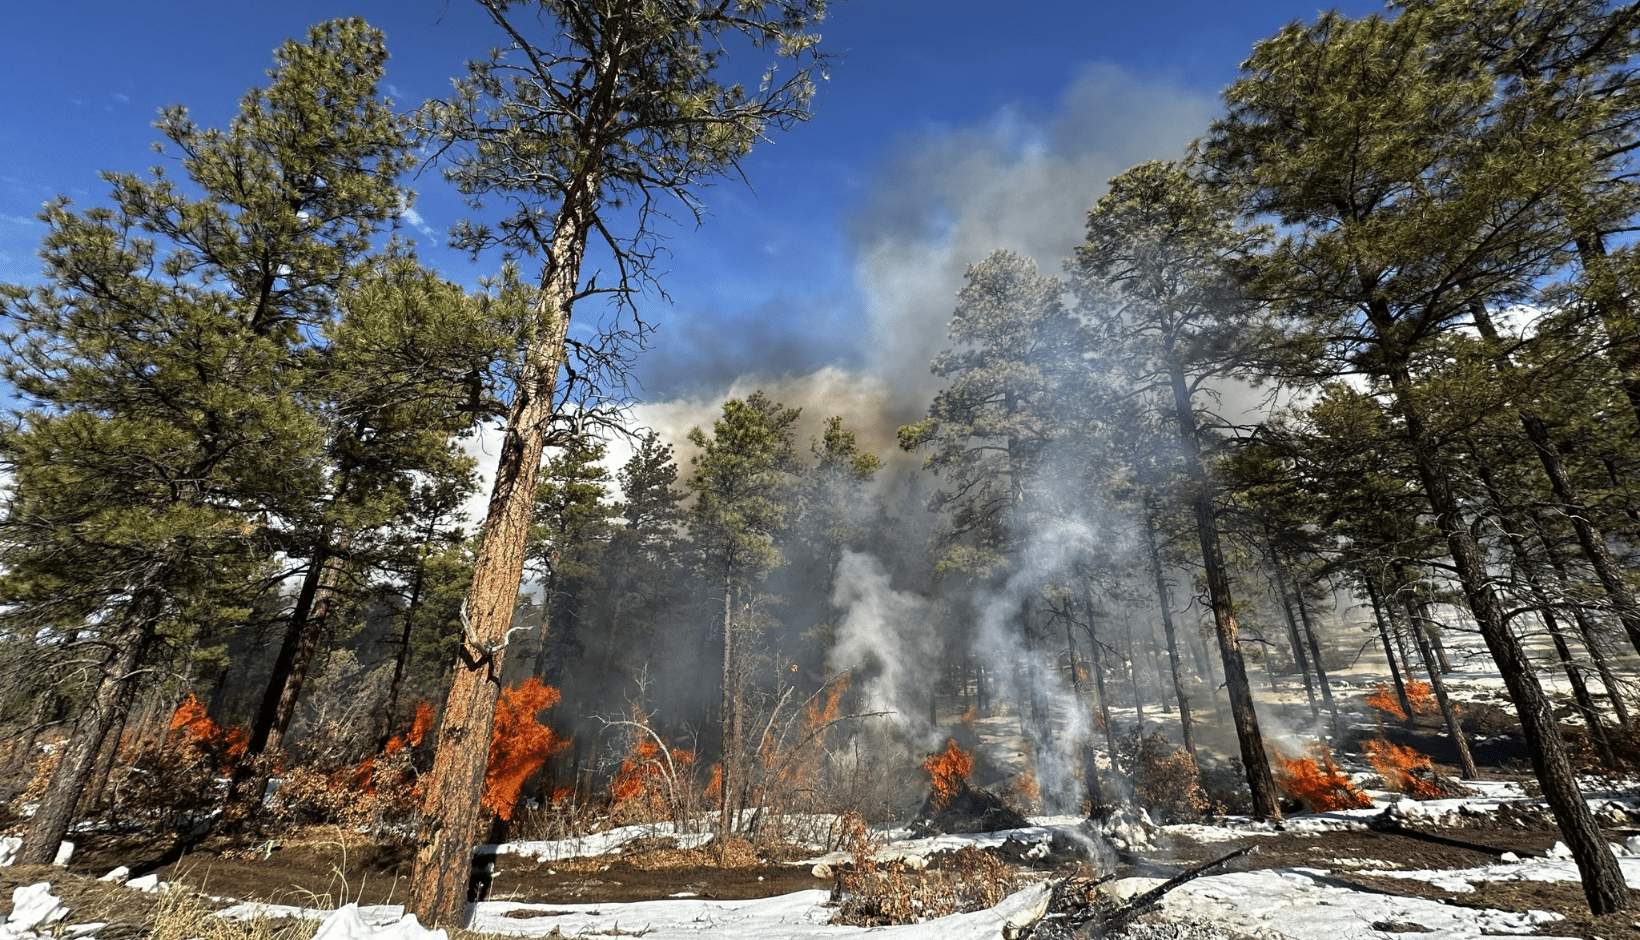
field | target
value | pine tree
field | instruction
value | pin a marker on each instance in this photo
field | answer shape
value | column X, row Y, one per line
column 742, row 481
column 1408, row 206
column 392, row 385
column 590, row 116
column 162, row 363
column 1158, row 296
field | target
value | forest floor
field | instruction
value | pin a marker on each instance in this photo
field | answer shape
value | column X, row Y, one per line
column 323, row 867
column 1394, row 858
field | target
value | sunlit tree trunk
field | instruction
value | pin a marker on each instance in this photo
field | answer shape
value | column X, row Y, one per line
column 452, row 819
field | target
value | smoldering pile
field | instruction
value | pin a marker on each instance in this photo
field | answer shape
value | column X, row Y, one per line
column 965, row 808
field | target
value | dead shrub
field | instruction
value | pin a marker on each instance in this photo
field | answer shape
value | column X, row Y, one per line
column 1166, row 780
column 381, row 792
column 871, row 893
column 184, row 777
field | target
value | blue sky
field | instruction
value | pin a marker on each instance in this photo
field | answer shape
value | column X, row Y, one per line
column 948, row 128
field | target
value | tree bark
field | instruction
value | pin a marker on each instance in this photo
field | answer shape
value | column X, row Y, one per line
column 730, row 777
column 1187, row 732
column 1260, row 783
column 452, row 815
column 307, row 627
column 1603, row 883
column 129, row 641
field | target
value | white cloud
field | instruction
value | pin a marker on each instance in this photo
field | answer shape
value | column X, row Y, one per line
column 414, row 218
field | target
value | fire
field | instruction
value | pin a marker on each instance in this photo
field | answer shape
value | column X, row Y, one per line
column 1399, row 767
column 1384, row 701
column 714, row 787
column 1027, row 791
column 1318, row 782
column 1422, row 699
column 520, row 743
column 649, row 775
column 419, row 727
column 949, row 771
column 192, row 728
column 969, row 715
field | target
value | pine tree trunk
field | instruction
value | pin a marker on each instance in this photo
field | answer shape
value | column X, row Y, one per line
column 1320, row 668
column 1418, row 614
column 1260, row 783
column 107, row 754
column 1132, row 657
column 452, row 814
column 730, row 776
column 1389, row 648
column 1187, row 730
column 1603, row 883
column 1300, row 660
column 1589, row 537
column 1585, row 629
column 22, row 749
column 128, row 643
column 401, row 660
column 1090, row 761
column 1096, row 656
column 307, row 624
column 1546, row 613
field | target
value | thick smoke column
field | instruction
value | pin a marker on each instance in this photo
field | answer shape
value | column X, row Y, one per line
column 886, row 637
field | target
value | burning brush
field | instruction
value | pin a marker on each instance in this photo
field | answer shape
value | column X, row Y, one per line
column 955, row 805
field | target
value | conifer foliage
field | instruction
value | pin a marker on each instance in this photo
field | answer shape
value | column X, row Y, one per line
column 162, row 365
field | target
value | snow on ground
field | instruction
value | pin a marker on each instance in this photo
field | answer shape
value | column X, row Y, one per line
column 1307, row 904
column 799, row 916
column 597, row 843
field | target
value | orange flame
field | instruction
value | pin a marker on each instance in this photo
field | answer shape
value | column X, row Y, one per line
column 949, row 771
column 645, row 773
column 714, row 788
column 519, row 744
column 1422, row 699
column 192, row 728
column 1318, row 782
column 419, row 727
column 1396, row 764
column 1387, row 703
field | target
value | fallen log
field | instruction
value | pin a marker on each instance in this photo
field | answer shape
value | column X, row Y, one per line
column 1076, row 911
